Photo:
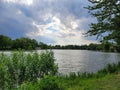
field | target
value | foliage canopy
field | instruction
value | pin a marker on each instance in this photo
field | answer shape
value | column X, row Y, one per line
column 107, row 13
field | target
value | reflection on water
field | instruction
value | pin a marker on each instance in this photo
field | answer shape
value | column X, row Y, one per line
column 83, row 60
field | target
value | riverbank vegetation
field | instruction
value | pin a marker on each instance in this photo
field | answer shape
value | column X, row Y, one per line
column 106, row 79
column 34, row 71
column 107, row 82
column 20, row 67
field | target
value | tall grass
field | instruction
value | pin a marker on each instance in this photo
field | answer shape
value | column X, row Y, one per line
column 20, row 67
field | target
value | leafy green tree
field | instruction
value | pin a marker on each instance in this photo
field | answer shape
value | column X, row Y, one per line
column 43, row 45
column 92, row 46
column 5, row 42
column 106, row 45
column 58, row 47
column 25, row 43
column 107, row 13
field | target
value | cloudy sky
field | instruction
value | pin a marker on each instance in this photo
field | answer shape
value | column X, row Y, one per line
column 50, row 21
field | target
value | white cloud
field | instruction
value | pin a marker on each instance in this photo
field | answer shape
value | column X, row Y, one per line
column 56, row 21
column 26, row 2
column 74, row 25
column 62, row 35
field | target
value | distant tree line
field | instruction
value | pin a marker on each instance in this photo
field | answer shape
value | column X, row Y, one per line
column 6, row 43
column 103, row 46
column 106, row 46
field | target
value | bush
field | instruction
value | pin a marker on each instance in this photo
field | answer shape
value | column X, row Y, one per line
column 19, row 67
column 49, row 83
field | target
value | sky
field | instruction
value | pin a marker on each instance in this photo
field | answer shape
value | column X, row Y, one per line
column 53, row 22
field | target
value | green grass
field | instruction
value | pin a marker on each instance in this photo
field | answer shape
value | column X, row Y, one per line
column 107, row 82
column 106, row 79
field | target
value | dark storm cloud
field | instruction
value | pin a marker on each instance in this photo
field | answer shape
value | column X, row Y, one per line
column 12, row 22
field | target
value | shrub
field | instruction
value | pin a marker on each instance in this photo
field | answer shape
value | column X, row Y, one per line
column 49, row 83
column 19, row 67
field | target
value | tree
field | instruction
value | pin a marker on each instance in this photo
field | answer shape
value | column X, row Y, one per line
column 5, row 42
column 107, row 13
column 25, row 43
column 43, row 45
column 106, row 45
column 92, row 46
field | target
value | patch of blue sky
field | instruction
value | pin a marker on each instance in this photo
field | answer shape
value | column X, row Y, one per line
column 52, row 29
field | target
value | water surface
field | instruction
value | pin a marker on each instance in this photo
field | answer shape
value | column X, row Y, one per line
column 83, row 60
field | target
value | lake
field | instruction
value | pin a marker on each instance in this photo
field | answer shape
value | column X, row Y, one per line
column 83, row 60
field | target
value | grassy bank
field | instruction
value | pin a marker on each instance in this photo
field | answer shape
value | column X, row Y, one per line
column 108, row 82
column 106, row 79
